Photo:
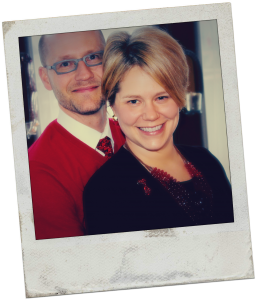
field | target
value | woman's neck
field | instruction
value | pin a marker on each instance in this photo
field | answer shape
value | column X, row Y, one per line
column 167, row 159
column 159, row 158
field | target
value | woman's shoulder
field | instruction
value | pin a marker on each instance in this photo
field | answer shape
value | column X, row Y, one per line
column 118, row 161
column 204, row 161
column 195, row 150
column 113, row 169
column 201, row 158
column 197, row 153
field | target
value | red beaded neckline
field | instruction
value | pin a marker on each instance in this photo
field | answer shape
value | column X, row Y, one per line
column 162, row 175
column 177, row 190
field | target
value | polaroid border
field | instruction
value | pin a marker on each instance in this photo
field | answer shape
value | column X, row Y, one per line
column 134, row 259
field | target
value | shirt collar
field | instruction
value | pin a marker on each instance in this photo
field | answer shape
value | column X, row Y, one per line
column 82, row 132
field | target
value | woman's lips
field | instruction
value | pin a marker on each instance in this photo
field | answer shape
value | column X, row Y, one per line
column 85, row 89
column 152, row 130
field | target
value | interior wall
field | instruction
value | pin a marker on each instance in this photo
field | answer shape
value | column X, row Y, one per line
column 213, row 92
column 47, row 103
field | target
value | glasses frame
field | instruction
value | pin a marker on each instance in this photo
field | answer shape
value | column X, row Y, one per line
column 53, row 67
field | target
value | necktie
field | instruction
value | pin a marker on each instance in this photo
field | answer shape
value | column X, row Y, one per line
column 105, row 146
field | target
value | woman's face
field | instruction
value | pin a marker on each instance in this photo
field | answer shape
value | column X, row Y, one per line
column 147, row 114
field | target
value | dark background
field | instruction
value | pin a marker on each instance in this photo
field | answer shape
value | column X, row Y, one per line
column 190, row 129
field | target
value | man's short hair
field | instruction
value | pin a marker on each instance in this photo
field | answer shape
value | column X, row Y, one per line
column 43, row 49
column 152, row 49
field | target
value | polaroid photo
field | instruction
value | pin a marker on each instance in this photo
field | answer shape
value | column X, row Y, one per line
column 92, row 105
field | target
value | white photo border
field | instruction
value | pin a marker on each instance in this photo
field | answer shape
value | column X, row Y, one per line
column 134, row 259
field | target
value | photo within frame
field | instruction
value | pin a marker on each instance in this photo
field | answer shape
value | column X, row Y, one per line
column 202, row 196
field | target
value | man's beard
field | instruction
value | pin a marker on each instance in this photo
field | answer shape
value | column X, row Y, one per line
column 77, row 109
column 72, row 105
column 95, row 110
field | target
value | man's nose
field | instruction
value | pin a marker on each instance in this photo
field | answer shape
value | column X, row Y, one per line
column 83, row 72
column 150, row 112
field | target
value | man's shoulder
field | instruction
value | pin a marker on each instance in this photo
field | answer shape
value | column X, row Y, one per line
column 44, row 142
column 113, row 123
column 115, row 128
column 56, row 142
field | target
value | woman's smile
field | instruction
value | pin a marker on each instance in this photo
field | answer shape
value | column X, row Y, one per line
column 152, row 130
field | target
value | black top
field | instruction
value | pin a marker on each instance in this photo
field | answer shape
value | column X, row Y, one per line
column 115, row 202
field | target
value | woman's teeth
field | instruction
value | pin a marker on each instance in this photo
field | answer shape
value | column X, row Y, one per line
column 151, row 129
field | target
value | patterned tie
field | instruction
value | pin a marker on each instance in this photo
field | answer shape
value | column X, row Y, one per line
column 105, row 146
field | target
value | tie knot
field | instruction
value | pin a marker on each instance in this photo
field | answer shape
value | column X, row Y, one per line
column 105, row 146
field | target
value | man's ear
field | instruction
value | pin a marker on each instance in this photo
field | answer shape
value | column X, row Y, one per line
column 44, row 77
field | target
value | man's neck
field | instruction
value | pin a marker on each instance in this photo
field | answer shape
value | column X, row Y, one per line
column 96, row 121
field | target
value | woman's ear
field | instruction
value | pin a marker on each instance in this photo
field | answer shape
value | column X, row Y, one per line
column 45, row 79
column 113, row 109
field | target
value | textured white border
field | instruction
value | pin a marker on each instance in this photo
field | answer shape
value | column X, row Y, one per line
column 118, row 261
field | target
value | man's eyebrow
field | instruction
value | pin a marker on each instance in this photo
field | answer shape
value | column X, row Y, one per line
column 69, row 56
column 64, row 57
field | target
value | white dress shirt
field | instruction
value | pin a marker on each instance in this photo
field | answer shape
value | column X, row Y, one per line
column 86, row 134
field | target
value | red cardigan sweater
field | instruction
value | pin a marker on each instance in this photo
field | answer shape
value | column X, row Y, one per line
column 60, row 166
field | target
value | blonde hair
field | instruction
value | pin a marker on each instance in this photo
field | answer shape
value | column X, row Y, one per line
column 152, row 49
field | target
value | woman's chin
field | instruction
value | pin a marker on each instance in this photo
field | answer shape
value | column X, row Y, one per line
column 151, row 146
column 156, row 143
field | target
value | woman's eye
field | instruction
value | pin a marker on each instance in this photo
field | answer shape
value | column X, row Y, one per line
column 162, row 97
column 133, row 101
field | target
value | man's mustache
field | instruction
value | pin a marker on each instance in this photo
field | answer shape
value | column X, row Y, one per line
column 85, row 84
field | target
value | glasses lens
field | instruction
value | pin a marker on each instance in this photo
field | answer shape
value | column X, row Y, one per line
column 94, row 59
column 66, row 66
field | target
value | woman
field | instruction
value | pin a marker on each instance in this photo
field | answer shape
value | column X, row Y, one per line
column 151, row 183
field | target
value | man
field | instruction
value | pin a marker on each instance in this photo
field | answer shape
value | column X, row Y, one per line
column 75, row 145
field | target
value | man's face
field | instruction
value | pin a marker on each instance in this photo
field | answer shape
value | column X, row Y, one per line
column 78, row 91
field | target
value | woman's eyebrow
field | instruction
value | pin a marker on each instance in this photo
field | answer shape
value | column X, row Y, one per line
column 161, row 93
column 138, row 96
column 131, row 96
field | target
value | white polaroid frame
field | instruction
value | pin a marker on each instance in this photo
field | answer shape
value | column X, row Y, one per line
column 134, row 259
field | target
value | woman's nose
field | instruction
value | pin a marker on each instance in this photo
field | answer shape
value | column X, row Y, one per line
column 150, row 112
column 83, row 72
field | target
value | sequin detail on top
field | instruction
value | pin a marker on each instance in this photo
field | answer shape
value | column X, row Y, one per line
column 194, row 196
column 197, row 202
column 147, row 190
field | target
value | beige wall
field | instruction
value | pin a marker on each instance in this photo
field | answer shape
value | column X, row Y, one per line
column 213, row 92
column 47, row 103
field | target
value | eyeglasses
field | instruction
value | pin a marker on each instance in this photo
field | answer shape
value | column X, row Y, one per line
column 70, row 65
